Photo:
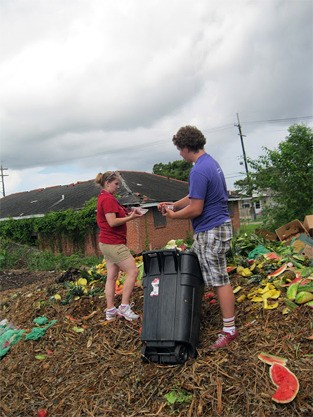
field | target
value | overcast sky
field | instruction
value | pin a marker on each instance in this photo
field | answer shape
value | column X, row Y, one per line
column 94, row 85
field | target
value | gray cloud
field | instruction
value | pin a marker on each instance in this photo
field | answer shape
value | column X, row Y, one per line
column 93, row 85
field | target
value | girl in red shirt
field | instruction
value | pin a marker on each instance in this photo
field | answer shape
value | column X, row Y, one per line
column 112, row 219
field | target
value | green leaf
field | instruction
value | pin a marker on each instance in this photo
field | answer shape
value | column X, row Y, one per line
column 40, row 357
column 178, row 396
column 78, row 329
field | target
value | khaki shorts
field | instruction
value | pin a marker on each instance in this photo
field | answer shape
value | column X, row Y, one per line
column 115, row 253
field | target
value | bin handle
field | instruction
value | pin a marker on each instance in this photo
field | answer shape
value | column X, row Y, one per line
column 160, row 255
column 147, row 260
column 174, row 254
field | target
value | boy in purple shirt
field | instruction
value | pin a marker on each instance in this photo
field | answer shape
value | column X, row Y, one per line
column 206, row 206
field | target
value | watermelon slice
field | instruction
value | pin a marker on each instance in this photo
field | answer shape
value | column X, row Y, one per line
column 271, row 255
column 286, row 382
column 271, row 359
column 294, row 281
column 278, row 271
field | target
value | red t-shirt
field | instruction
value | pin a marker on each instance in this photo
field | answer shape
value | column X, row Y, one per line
column 107, row 203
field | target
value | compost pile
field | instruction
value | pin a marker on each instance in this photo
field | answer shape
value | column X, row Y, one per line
column 68, row 360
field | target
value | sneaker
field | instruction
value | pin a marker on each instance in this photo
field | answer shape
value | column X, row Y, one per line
column 127, row 313
column 110, row 314
column 223, row 340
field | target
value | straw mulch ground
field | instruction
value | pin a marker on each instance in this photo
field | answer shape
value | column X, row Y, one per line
column 99, row 372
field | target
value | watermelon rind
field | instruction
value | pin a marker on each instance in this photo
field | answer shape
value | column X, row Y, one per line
column 271, row 359
column 303, row 297
column 286, row 382
column 278, row 271
column 292, row 291
column 306, row 287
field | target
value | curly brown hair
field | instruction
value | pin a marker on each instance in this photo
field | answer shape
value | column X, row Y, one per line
column 189, row 137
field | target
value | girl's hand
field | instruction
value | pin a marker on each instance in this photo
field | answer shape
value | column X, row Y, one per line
column 136, row 213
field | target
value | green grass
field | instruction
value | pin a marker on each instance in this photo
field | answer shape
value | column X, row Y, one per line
column 246, row 227
column 15, row 256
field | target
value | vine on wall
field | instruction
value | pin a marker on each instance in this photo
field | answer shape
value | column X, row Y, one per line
column 54, row 225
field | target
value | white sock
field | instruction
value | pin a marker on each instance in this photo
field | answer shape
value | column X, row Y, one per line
column 229, row 325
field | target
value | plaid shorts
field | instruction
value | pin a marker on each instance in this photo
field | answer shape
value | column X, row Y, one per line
column 211, row 247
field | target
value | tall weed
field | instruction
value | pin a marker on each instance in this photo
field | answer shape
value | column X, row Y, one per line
column 15, row 256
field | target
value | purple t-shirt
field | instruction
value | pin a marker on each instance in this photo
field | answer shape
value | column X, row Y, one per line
column 207, row 182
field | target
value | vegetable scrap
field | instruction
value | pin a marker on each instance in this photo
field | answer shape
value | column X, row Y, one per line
column 9, row 336
column 105, row 357
column 286, row 382
column 38, row 332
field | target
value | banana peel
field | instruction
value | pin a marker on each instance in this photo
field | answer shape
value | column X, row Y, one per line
column 271, row 294
column 252, row 267
column 237, row 289
column 262, row 295
column 257, row 299
column 245, row 272
column 82, row 282
column 268, row 287
column 286, row 310
column 241, row 298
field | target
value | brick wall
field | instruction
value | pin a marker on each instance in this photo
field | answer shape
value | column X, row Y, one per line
column 235, row 216
column 142, row 234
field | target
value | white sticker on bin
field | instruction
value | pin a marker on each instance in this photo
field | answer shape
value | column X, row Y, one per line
column 155, row 287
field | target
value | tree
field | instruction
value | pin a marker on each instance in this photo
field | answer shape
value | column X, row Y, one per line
column 243, row 186
column 176, row 169
column 287, row 172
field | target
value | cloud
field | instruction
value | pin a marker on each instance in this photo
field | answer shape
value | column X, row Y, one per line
column 93, row 84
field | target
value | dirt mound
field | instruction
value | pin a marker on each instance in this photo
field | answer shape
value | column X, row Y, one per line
column 84, row 366
column 21, row 278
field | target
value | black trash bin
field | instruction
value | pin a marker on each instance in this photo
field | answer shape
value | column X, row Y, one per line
column 173, row 290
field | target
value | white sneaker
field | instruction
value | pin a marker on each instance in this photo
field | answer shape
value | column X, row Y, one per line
column 127, row 313
column 110, row 314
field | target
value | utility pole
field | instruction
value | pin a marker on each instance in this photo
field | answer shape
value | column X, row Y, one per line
column 246, row 167
column 2, row 178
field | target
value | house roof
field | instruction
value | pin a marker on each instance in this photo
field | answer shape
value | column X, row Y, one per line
column 136, row 188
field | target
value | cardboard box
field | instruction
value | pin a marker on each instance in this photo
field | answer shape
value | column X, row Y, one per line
column 308, row 224
column 291, row 230
column 304, row 245
column 266, row 234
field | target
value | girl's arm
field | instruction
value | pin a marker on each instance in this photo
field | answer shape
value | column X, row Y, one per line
column 114, row 221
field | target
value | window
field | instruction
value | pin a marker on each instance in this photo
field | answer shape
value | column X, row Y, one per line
column 258, row 204
column 159, row 220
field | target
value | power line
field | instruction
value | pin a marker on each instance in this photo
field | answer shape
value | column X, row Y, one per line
column 290, row 119
column 227, row 177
